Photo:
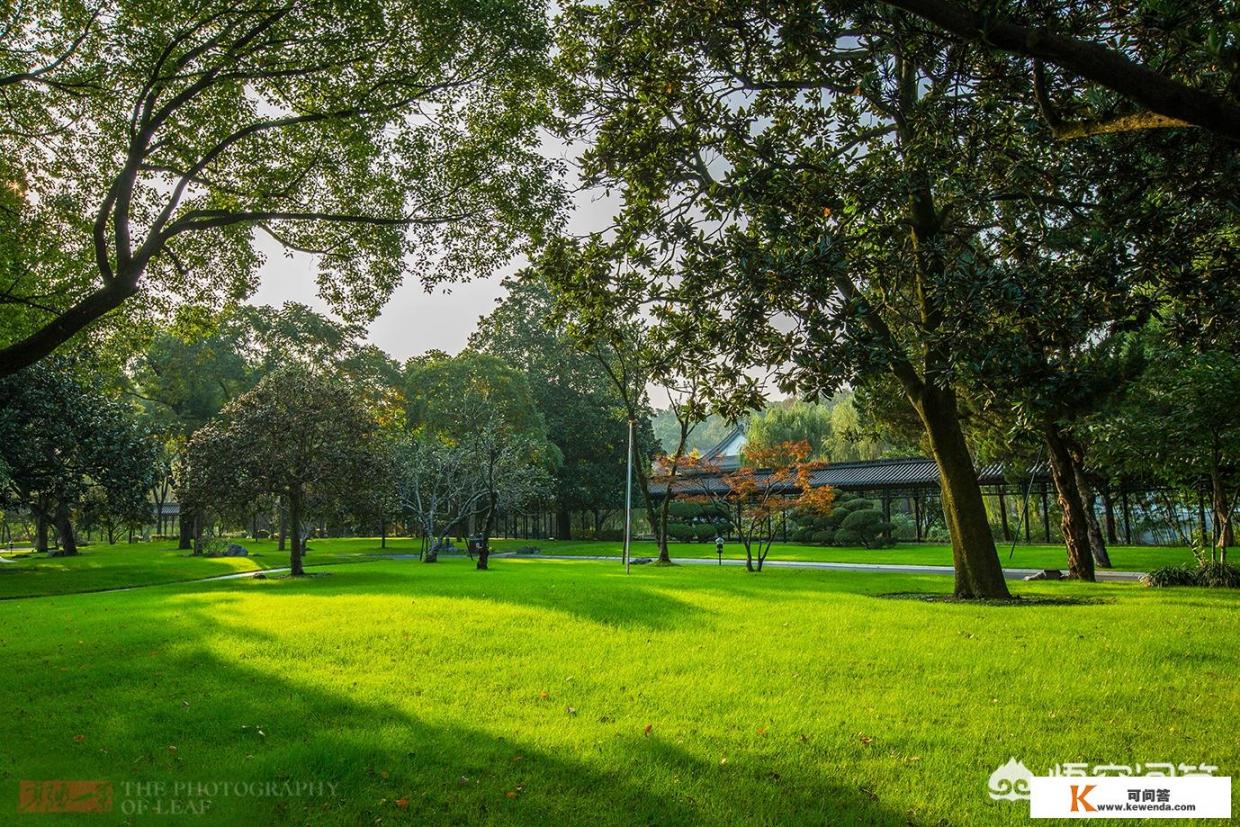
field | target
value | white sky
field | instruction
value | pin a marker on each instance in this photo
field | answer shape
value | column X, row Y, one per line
column 414, row 321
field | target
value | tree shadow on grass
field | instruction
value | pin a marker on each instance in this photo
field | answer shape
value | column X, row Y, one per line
column 186, row 713
column 646, row 605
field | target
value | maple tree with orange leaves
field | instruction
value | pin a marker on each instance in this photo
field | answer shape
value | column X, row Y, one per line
column 771, row 481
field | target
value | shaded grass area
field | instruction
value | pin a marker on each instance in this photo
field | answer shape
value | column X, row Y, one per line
column 1032, row 556
column 567, row 693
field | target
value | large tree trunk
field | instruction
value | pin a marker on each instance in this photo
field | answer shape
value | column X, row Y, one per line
column 294, row 507
column 283, row 524
column 1075, row 526
column 563, row 523
column 40, row 531
column 978, row 571
column 185, row 529
column 64, row 527
column 1097, row 546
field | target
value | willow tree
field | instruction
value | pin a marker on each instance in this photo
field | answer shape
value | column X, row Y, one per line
column 147, row 144
column 812, row 191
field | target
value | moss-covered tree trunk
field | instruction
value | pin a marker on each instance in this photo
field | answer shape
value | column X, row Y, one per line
column 1075, row 526
column 978, row 571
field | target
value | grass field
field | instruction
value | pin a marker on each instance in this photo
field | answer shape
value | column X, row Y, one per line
column 1031, row 556
column 104, row 566
column 547, row 692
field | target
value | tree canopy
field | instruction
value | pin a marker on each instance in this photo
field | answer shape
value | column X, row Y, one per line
column 145, row 144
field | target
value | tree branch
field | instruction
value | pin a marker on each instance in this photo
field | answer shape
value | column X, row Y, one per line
column 1155, row 91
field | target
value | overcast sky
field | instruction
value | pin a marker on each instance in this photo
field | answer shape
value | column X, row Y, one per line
column 414, row 321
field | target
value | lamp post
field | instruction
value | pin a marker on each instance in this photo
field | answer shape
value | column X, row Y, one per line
column 628, row 500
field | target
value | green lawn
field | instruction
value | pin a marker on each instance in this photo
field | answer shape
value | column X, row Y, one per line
column 102, row 566
column 1035, row 556
column 547, row 692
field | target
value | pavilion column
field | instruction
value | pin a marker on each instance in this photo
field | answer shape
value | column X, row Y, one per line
column 1003, row 516
column 1046, row 513
column 1123, row 494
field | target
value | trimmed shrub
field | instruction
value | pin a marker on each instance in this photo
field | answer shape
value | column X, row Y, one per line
column 869, row 527
column 823, row 536
column 847, row 537
column 681, row 531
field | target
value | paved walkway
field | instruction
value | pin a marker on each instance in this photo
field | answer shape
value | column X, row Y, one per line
column 1104, row 575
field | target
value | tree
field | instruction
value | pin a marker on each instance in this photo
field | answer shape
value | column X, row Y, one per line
column 1173, row 60
column 571, row 391
column 475, row 410
column 435, row 483
column 809, row 190
column 298, row 434
column 61, row 441
column 794, row 421
column 1179, row 423
column 685, row 402
column 185, row 375
column 177, row 132
column 772, row 482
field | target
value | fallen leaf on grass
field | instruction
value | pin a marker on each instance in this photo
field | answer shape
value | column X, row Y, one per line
column 77, row 739
column 649, row 728
column 403, row 803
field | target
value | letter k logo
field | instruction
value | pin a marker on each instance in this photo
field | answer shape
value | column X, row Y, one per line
column 1078, row 798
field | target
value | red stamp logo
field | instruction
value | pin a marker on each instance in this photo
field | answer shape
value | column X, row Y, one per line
column 64, row 797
